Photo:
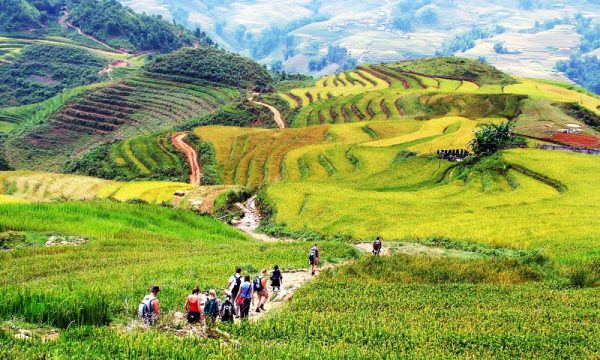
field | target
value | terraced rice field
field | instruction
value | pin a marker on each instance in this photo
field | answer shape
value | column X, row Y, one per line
column 253, row 157
column 146, row 155
column 396, row 94
column 36, row 187
column 421, row 197
column 141, row 102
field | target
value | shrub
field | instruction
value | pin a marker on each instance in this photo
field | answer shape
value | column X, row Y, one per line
column 492, row 138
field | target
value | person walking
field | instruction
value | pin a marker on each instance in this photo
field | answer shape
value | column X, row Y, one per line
column 260, row 288
column 276, row 278
column 245, row 297
column 227, row 310
column 235, row 281
column 211, row 308
column 377, row 246
column 313, row 258
column 149, row 309
column 193, row 308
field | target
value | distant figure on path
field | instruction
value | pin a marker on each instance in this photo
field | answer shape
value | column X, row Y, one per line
column 260, row 288
column 245, row 297
column 235, row 281
column 211, row 308
column 377, row 246
column 276, row 278
column 313, row 258
column 149, row 309
column 193, row 308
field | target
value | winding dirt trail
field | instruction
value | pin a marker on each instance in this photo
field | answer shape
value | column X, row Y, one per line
column 276, row 113
column 191, row 154
column 63, row 19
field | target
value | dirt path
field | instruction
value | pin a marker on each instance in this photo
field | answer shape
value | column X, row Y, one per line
column 276, row 113
column 63, row 19
column 191, row 154
column 396, row 247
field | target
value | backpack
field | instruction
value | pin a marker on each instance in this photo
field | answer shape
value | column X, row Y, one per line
column 238, row 283
column 212, row 308
column 313, row 253
column 146, row 309
column 377, row 245
column 258, row 284
column 227, row 311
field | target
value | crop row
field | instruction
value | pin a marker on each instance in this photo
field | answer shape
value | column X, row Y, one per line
column 138, row 100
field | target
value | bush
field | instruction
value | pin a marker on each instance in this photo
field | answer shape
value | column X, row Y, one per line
column 584, row 275
column 492, row 138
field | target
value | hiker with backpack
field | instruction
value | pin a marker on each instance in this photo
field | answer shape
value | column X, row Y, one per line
column 245, row 297
column 260, row 288
column 227, row 310
column 313, row 258
column 377, row 246
column 276, row 278
column 149, row 309
column 211, row 308
column 235, row 281
column 193, row 307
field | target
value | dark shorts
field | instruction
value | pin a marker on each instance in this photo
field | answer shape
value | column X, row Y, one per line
column 312, row 260
column 193, row 317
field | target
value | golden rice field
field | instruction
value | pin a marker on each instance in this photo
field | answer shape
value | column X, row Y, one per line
column 34, row 187
column 405, row 201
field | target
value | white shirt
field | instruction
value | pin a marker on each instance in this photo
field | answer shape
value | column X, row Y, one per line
column 232, row 281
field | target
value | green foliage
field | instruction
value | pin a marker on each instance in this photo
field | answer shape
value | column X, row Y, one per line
column 466, row 41
column 119, row 26
column 206, row 159
column 210, row 65
column 134, row 246
column 18, row 15
column 456, row 68
column 581, row 113
column 492, row 138
column 43, row 71
column 242, row 114
column 584, row 70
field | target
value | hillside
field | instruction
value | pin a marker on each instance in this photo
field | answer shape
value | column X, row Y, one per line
column 481, row 185
column 42, row 71
column 210, row 65
column 107, row 21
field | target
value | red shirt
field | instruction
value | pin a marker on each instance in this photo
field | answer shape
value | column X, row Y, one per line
column 193, row 305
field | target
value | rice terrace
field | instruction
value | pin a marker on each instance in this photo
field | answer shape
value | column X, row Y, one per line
column 169, row 189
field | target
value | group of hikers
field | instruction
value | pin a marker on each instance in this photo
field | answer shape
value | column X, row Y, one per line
column 240, row 295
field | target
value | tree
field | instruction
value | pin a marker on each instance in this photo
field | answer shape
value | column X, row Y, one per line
column 492, row 138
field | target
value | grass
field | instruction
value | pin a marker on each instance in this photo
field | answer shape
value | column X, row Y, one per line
column 381, row 306
column 102, row 281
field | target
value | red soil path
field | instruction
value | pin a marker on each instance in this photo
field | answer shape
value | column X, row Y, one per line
column 191, row 154
column 276, row 113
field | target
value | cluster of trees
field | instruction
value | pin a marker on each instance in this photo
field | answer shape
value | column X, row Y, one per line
column 407, row 12
column 491, row 138
column 211, row 65
column 466, row 41
column 584, row 70
column 266, row 41
column 17, row 15
column 335, row 55
column 119, row 26
column 500, row 48
column 43, row 71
